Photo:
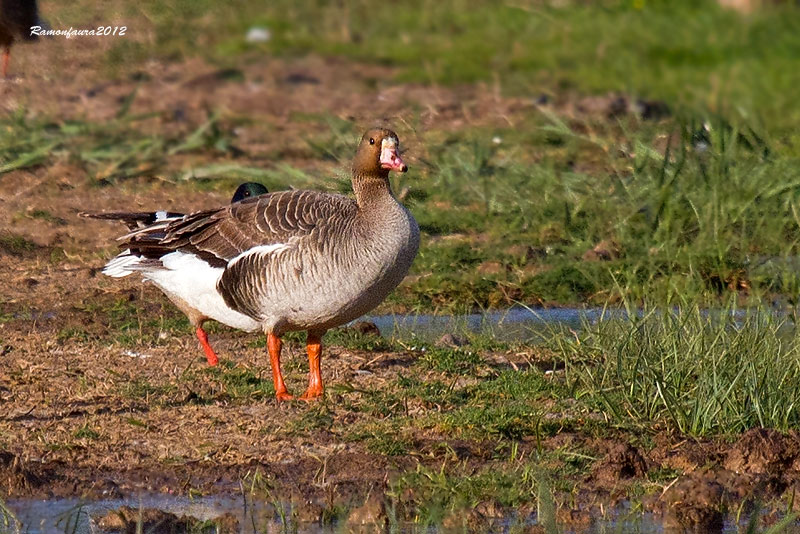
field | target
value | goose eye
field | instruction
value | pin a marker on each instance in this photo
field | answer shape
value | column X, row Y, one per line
column 371, row 141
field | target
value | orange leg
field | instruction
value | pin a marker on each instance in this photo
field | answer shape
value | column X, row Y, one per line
column 274, row 347
column 211, row 356
column 6, row 58
column 314, row 348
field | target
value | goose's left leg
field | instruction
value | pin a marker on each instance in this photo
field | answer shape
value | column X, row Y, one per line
column 314, row 349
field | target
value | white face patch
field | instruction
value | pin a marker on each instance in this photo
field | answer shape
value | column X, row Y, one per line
column 390, row 143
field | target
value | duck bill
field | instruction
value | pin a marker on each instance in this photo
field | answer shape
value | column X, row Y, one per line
column 390, row 159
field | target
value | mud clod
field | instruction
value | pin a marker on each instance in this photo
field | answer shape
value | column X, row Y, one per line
column 696, row 503
column 127, row 520
column 372, row 512
column 366, row 328
column 483, row 518
column 603, row 251
column 451, row 341
column 763, row 451
column 307, row 511
column 575, row 518
column 15, row 474
column 622, row 461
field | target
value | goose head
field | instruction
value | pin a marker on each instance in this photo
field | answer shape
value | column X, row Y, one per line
column 378, row 153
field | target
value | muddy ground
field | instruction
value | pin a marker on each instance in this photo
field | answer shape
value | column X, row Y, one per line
column 87, row 420
column 90, row 412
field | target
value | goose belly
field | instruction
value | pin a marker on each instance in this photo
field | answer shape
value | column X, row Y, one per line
column 190, row 280
column 341, row 302
column 332, row 290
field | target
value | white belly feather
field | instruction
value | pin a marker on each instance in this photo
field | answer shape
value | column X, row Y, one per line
column 188, row 278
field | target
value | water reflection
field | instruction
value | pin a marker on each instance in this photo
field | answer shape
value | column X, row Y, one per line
column 514, row 324
column 73, row 516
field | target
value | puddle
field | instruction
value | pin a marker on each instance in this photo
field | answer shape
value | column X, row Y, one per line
column 531, row 324
column 74, row 516
column 514, row 324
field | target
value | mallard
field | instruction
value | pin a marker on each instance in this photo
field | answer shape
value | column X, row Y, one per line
column 247, row 190
column 134, row 220
column 286, row 261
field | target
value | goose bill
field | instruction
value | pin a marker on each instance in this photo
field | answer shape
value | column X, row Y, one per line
column 390, row 159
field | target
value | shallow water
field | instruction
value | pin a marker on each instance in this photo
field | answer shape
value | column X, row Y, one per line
column 74, row 516
column 532, row 324
column 514, row 324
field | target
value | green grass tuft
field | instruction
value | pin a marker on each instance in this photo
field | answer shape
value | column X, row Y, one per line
column 699, row 372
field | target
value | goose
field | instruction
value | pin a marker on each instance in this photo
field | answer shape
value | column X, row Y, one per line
column 16, row 19
column 286, row 261
column 135, row 220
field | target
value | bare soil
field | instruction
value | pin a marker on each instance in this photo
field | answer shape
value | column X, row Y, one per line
column 98, row 418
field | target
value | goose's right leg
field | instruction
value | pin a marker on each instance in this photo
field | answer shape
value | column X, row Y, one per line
column 211, row 356
column 314, row 348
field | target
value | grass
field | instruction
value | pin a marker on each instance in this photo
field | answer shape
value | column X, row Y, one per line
column 450, row 361
column 704, row 223
column 694, row 55
column 507, row 212
column 689, row 369
column 122, row 148
column 686, row 221
column 473, row 436
column 526, row 201
column 143, row 389
column 85, row 432
column 699, row 372
column 505, row 406
column 698, row 210
column 15, row 245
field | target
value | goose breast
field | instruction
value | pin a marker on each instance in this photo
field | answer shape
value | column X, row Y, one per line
column 321, row 263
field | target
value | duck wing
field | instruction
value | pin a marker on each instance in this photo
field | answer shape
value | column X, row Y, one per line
column 134, row 219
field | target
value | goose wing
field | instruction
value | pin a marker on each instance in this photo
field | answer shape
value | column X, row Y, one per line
column 255, row 225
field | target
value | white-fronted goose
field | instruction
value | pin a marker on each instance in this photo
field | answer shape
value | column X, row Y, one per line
column 16, row 19
column 290, row 260
column 134, row 220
